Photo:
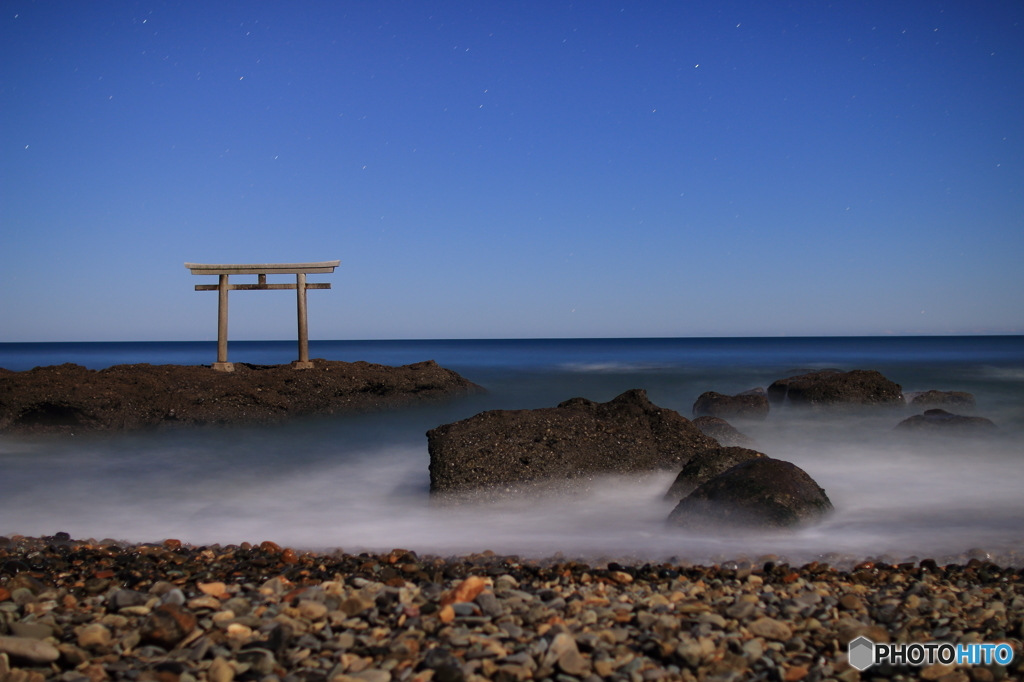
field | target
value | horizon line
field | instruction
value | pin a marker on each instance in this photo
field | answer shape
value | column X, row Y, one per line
column 558, row 338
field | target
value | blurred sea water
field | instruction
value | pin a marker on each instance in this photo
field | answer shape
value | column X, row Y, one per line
column 360, row 481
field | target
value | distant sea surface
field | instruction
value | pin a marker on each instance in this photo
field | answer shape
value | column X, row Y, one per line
column 360, row 481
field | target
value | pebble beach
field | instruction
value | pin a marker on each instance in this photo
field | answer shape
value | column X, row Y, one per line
column 91, row 611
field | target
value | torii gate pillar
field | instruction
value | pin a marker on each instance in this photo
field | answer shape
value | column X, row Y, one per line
column 300, row 270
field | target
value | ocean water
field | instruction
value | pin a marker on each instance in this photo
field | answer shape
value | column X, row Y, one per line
column 360, row 482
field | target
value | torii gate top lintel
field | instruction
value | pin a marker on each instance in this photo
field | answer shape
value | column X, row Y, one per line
column 263, row 268
column 300, row 270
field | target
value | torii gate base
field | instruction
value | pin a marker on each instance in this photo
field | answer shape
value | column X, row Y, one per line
column 300, row 270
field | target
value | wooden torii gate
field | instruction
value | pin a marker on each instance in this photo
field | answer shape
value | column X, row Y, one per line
column 300, row 270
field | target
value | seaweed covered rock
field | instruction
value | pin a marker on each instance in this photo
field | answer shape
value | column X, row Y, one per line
column 752, row 404
column 832, row 387
column 955, row 400
column 940, row 421
column 500, row 449
column 705, row 466
column 724, row 432
column 759, row 493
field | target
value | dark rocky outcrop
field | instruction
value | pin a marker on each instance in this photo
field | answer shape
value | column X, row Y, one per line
column 502, row 449
column 832, row 387
column 752, row 404
column 758, row 493
column 706, row 465
column 941, row 421
column 724, row 432
column 956, row 400
column 70, row 398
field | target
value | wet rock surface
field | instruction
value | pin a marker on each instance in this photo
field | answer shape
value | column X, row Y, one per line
column 940, row 421
column 502, row 449
column 760, row 492
column 832, row 388
column 724, row 432
column 705, row 466
column 70, row 398
column 752, row 404
column 268, row 614
column 954, row 400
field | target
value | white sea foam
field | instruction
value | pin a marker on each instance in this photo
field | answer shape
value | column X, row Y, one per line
column 609, row 367
column 1004, row 373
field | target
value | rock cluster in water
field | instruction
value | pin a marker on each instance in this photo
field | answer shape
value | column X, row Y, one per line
column 70, row 398
column 508, row 452
column 93, row 612
column 836, row 388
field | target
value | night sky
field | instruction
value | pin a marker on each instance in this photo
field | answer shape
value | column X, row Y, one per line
column 513, row 169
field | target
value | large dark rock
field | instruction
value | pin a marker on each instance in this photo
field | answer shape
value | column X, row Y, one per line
column 941, row 421
column 832, row 387
column 758, row 493
column 706, row 465
column 956, row 400
column 752, row 404
column 70, row 398
column 724, row 432
column 502, row 449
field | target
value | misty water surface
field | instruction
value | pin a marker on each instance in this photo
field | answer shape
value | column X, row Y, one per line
column 361, row 482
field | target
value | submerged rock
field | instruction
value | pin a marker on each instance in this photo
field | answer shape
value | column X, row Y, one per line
column 70, row 398
column 705, row 466
column 952, row 399
column 724, row 432
column 752, row 404
column 942, row 421
column 758, row 493
column 833, row 387
column 577, row 439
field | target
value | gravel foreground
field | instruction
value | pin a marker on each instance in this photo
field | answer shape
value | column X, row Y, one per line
column 88, row 611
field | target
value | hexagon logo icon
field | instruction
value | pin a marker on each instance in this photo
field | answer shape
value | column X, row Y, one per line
column 861, row 653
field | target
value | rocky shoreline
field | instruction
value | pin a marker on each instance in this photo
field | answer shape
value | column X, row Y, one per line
column 88, row 611
column 70, row 398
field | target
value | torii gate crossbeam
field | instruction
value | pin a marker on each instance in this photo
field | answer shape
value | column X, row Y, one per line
column 261, row 270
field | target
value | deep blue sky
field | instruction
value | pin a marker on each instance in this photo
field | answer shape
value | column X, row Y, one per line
column 536, row 169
